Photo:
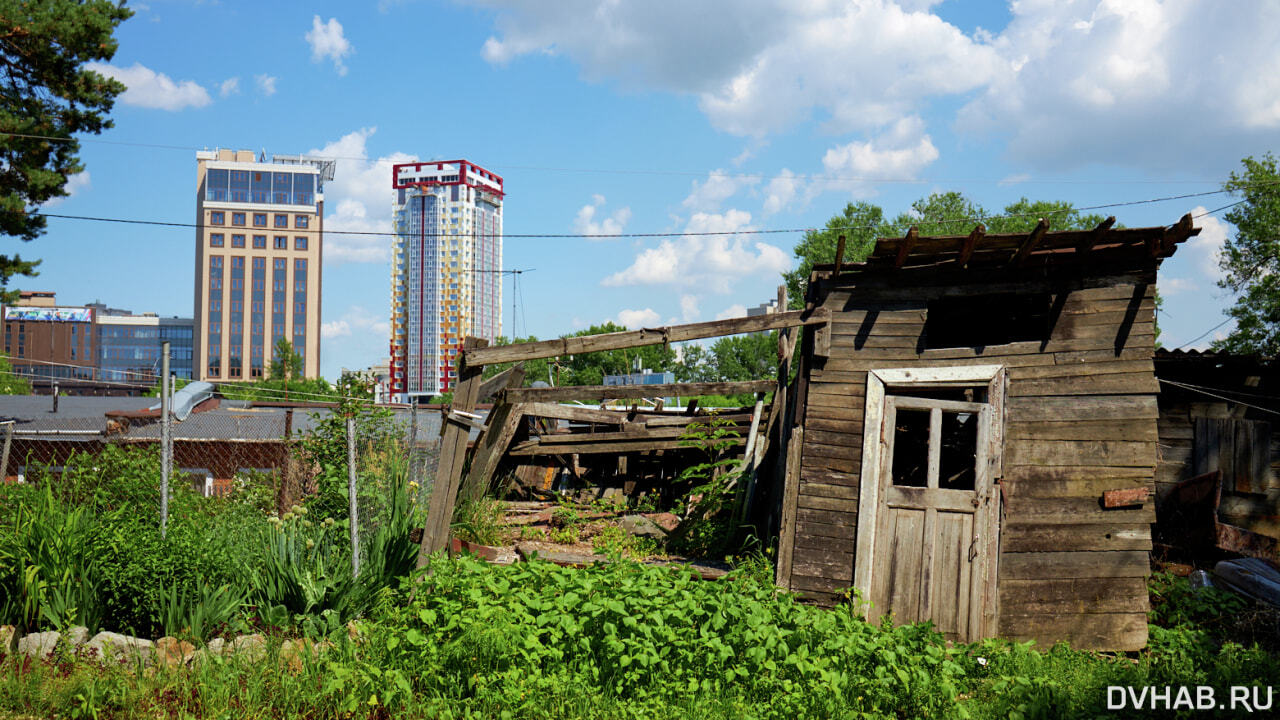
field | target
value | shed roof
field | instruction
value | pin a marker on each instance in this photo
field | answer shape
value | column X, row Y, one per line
column 1040, row 248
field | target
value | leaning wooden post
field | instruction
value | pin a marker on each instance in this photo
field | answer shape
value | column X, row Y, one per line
column 351, row 496
column 166, row 437
column 453, row 450
column 8, row 443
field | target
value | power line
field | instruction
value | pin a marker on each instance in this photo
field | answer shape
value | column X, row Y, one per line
column 776, row 231
column 654, row 172
column 1207, row 392
column 1206, row 332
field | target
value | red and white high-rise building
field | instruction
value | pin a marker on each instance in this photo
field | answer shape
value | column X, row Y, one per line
column 446, row 271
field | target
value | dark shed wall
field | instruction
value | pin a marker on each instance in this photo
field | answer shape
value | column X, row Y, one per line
column 1080, row 419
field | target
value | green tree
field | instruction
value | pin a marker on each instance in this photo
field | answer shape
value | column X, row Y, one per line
column 861, row 223
column 753, row 356
column 696, row 364
column 286, row 363
column 10, row 382
column 1251, row 259
column 48, row 93
column 590, row 368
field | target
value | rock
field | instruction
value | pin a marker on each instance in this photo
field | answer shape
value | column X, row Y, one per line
column 116, row 647
column 294, row 653
column 172, row 651
column 641, row 526
column 77, row 636
column 252, row 647
column 6, row 638
column 216, row 646
column 39, row 645
column 665, row 520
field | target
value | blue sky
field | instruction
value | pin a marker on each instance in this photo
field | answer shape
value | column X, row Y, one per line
column 666, row 116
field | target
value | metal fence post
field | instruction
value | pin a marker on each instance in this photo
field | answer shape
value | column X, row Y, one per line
column 351, row 495
column 413, row 440
column 166, row 438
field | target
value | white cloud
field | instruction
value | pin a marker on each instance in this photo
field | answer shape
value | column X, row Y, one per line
column 1170, row 286
column 335, row 329
column 708, row 195
column 230, row 86
column 586, row 222
column 150, row 89
column 710, row 262
column 733, row 311
column 328, row 41
column 781, row 191
column 360, row 194
column 1014, row 179
column 636, row 319
column 900, row 152
column 757, row 66
column 1107, row 81
column 1206, row 248
column 689, row 307
column 266, row 84
column 75, row 185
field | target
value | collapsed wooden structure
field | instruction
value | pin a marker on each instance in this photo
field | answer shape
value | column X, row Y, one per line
column 970, row 437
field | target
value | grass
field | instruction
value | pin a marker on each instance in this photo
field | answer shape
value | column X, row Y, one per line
column 628, row 640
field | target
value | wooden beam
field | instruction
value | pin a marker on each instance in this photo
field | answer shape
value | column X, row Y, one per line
column 453, row 449
column 638, row 338
column 578, row 414
column 966, row 250
column 1096, row 235
column 1031, row 243
column 596, row 393
column 530, row 447
column 504, row 420
column 839, row 255
column 906, row 245
column 1176, row 233
column 491, row 386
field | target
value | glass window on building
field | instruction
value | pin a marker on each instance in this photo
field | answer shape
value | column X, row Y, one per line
column 215, row 185
column 300, row 243
column 260, row 241
column 261, row 187
column 282, row 242
column 301, row 221
column 304, row 189
column 217, row 217
column 282, row 220
column 237, row 218
column 239, row 186
column 237, row 241
column 259, row 219
column 215, row 239
column 281, row 188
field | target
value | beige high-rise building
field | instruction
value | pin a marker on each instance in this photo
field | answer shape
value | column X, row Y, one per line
column 259, row 246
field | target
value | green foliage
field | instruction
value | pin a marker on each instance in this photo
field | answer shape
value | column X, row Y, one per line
column 48, row 92
column 1175, row 602
column 946, row 213
column 286, row 363
column 709, row 528
column 198, row 610
column 325, row 447
column 11, row 384
column 1251, row 259
column 478, row 520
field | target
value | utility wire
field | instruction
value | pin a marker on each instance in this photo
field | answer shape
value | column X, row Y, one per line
column 919, row 223
column 646, row 172
column 1206, row 332
column 1208, row 392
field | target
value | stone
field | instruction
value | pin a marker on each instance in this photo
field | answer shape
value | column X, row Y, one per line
column 641, row 526
column 116, row 647
column 171, row 651
column 665, row 520
column 216, row 646
column 39, row 645
column 294, row 654
column 77, row 636
column 6, row 638
column 252, row 647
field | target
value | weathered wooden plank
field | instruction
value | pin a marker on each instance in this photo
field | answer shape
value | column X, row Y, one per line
column 578, row 345
column 1115, row 407
column 1130, row 430
column 1082, row 537
column 802, row 565
column 1091, row 486
column 1107, row 366
column 826, row 517
column 789, row 518
column 843, row 452
column 596, row 393
column 835, row 425
column 819, row 502
column 1025, row 510
column 1064, row 332
column 828, row 463
column 1036, row 565
column 580, row 414
column 1099, row 631
column 845, row 390
column 532, row 448
column 821, row 551
column 831, row 437
column 1072, row 596
column 1034, row 474
column 810, row 583
column 829, row 477
column 841, row 532
column 1080, row 452
column 502, row 423
column 1131, row 351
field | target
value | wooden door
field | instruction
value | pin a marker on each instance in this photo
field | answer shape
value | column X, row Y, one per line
column 935, row 489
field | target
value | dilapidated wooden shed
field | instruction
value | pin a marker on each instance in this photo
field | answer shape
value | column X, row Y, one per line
column 956, row 426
